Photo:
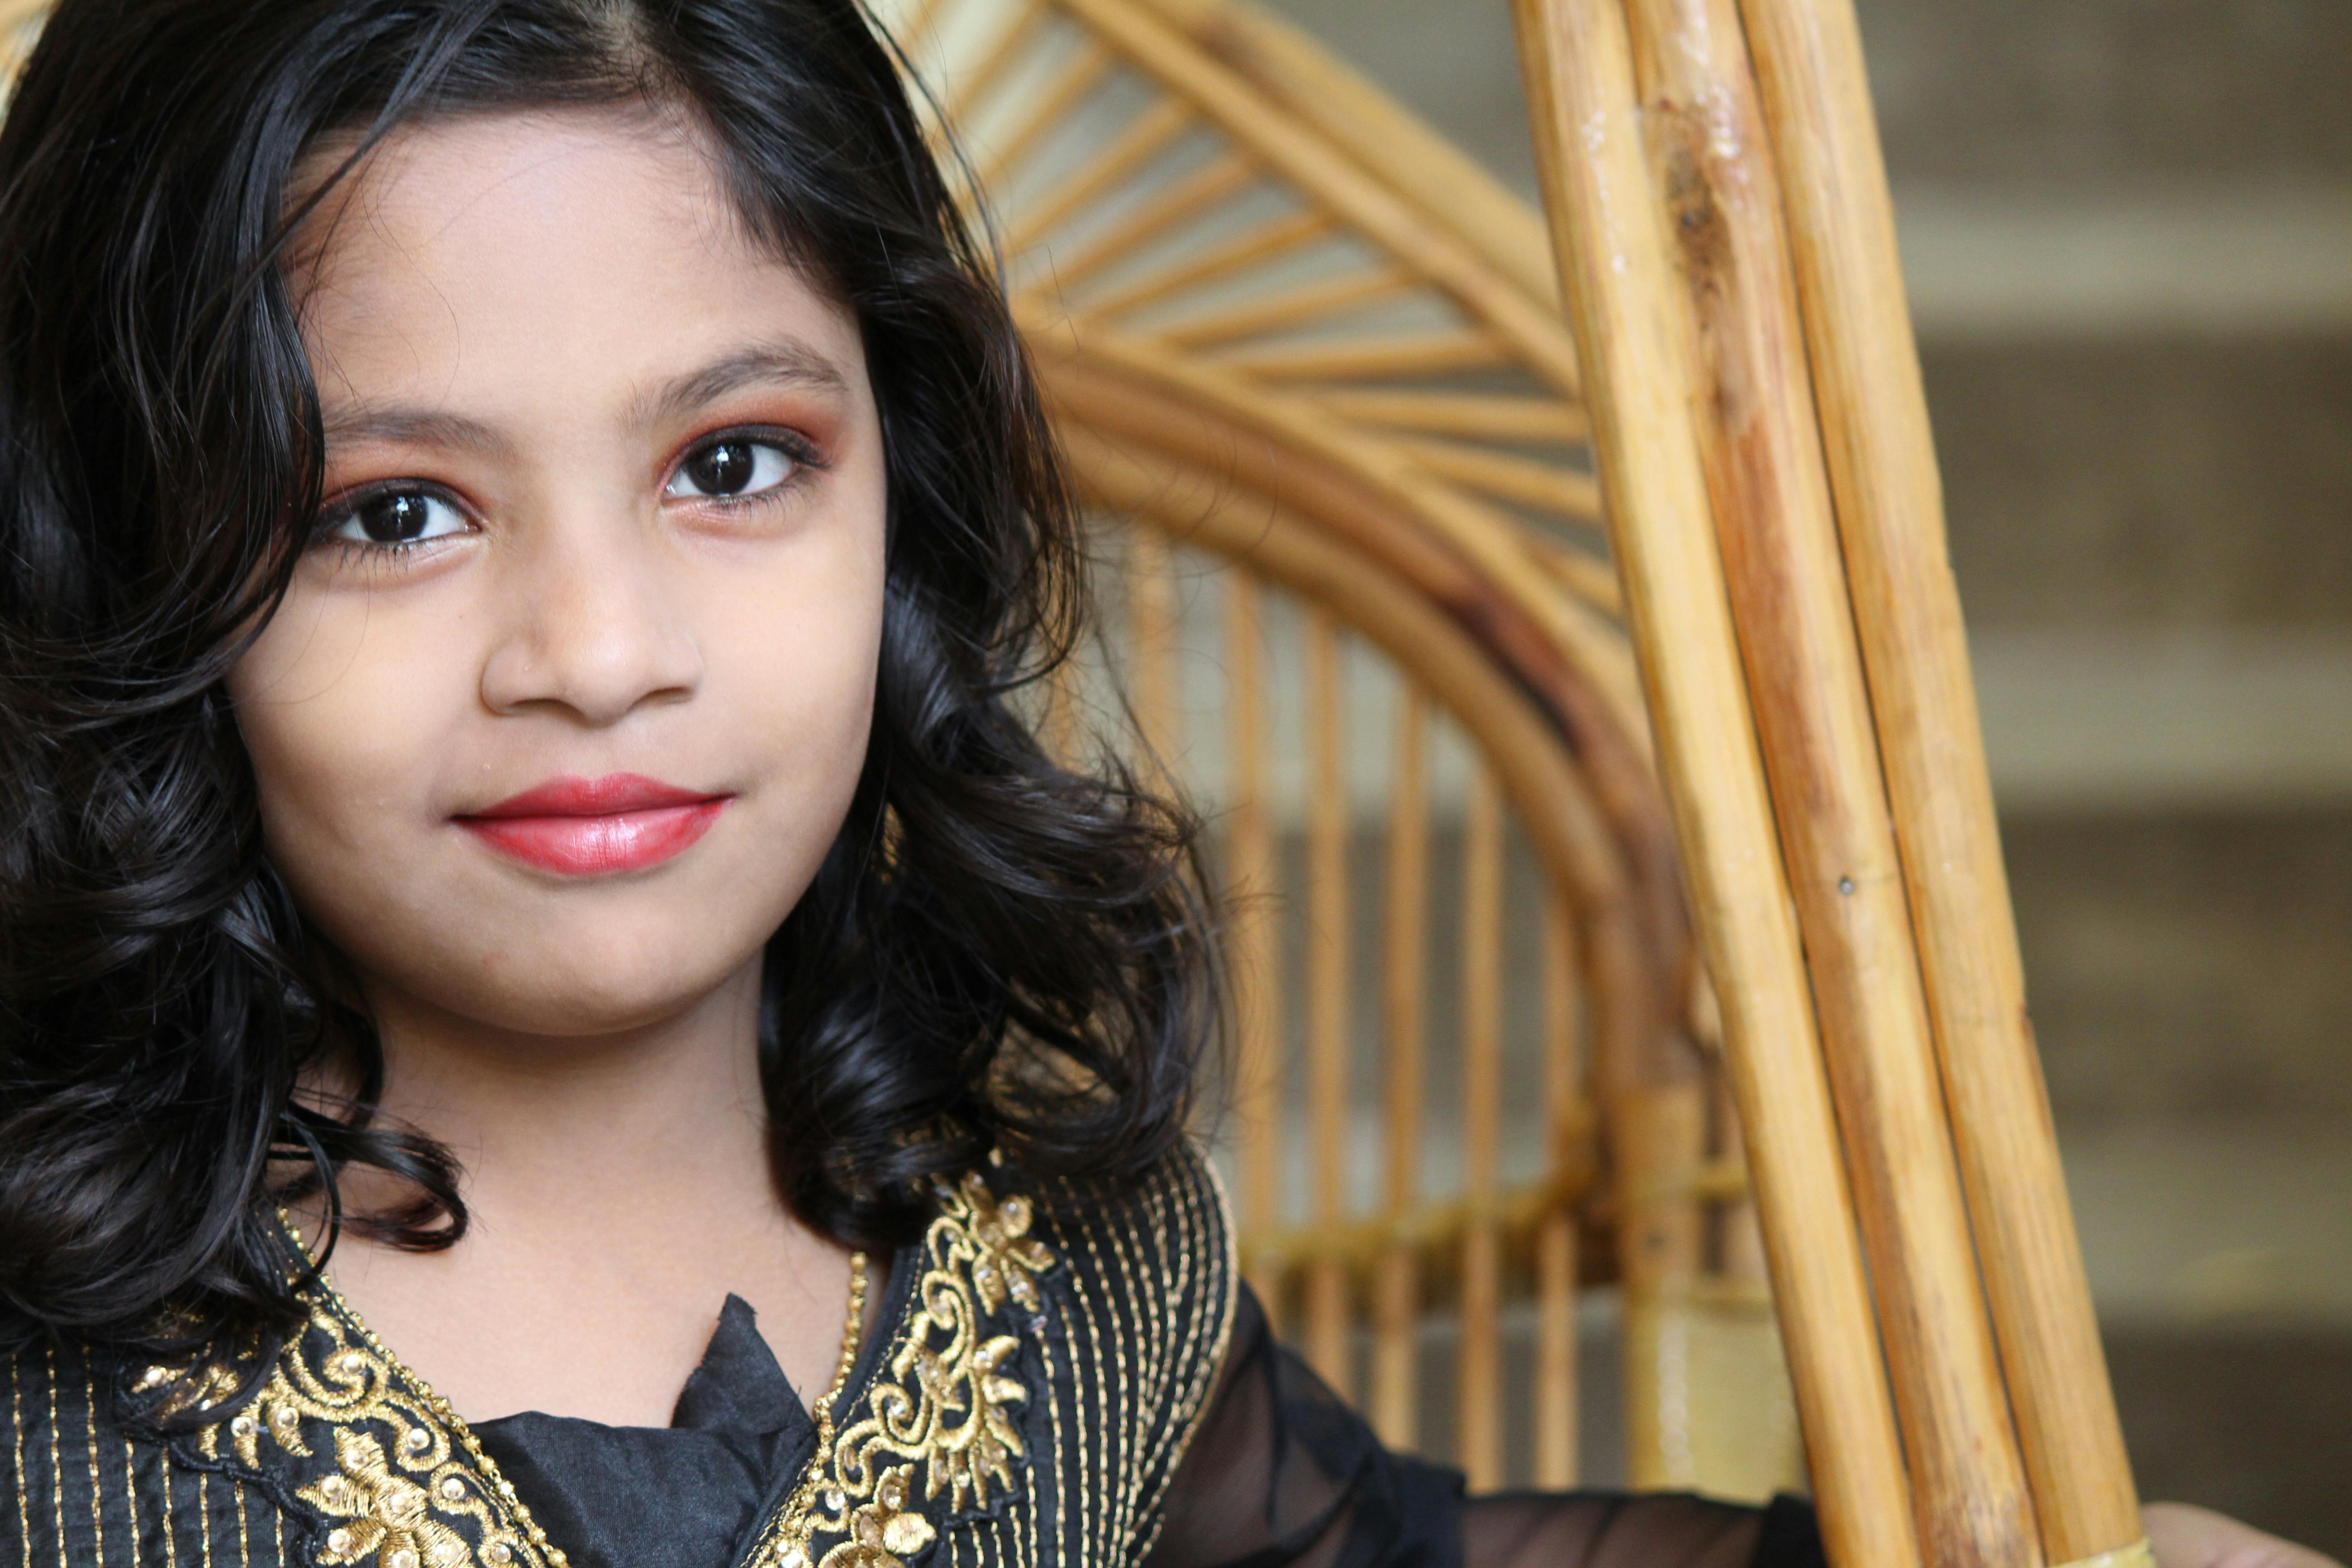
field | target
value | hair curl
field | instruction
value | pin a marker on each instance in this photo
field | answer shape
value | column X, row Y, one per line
column 998, row 951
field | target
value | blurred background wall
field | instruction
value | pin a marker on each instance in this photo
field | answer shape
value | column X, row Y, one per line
column 2127, row 228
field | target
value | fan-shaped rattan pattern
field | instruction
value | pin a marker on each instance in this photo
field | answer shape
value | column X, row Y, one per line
column 1289, row 332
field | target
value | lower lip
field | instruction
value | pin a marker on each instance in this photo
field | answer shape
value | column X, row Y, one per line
column 597, row 846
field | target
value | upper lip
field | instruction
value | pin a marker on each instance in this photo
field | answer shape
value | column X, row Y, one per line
column 615, row 793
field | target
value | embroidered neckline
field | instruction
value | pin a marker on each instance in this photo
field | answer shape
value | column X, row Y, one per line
column 395, row 1478
column 940, row 1412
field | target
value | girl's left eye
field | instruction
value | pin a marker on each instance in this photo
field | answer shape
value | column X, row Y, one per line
column 733, row 466
column 395, row 518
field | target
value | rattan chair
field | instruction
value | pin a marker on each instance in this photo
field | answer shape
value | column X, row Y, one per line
column 1286, row 328
column 1313, row 375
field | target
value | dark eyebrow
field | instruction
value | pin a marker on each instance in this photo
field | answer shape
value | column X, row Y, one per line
column 782, row 363
column 412, row 428
column 785, row 363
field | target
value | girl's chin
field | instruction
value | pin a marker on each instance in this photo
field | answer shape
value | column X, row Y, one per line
column 582, row 989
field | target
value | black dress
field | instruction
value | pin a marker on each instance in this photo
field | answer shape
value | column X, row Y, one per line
column 1282, row 1472
column 1056, row 1377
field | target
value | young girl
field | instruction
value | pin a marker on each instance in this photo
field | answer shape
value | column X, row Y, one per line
column 551, row 1008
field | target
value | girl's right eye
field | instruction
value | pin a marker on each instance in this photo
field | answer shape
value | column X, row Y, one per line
column 395, row 518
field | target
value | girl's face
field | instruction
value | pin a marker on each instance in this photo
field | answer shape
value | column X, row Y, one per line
column 571, row 694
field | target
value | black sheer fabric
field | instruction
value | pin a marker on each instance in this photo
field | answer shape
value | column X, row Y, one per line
column 1281, row 1473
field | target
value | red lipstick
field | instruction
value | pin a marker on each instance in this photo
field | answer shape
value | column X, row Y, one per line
column 595, row 827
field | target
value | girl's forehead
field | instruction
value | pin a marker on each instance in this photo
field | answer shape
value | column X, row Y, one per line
column 440, row 190
column 575, row 249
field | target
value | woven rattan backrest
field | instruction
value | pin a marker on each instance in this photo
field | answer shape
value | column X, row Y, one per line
column 1314, row 382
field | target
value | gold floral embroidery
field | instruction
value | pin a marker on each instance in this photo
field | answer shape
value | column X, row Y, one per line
column 881, row 1532
column 943, row 1412
column 1006, row 1258
column 392, row 1485
column 387, row 1515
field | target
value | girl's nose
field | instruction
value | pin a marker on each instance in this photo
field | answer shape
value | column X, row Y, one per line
column 589, row 629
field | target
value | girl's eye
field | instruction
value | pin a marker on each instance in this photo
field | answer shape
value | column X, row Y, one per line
column 396, row 518
column 734, row 467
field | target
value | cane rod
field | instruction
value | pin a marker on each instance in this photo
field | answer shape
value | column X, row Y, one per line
column 1633, row 332
column 1764, row 277
column 1882, row 461
column 1712, row 167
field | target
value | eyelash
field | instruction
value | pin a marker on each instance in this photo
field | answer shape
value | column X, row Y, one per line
column 346, row 505
column 803, row 453
column 794, row 446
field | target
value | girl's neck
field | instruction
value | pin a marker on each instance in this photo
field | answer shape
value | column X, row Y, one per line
column 617, row 1190
column 552, row 1129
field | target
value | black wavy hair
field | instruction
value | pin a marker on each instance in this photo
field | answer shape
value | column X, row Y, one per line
column 998, row 952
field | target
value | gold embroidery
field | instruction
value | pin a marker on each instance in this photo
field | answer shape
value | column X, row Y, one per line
column 883, row 1531
column 24, row 1483
column 97, row 1498
column 57, row 1462
column 943, row 1412
column 398, row 1487
column 385, row 1516
column 131, row 1497
column 1005, row 1258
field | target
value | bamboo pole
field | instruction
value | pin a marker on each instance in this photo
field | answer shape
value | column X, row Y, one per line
column 1288, row 309
column 1508, row 476
column 1632, row 334
column 1556, row 1369
column 1151, row 646
column 1256, row 928
column 1250, row 246
column 1761, row 447
column 1882, row 466
column 1404, row 1017
column 1480, row 1372
column 1368, row 357
column 1465, row 414
column 1144, row 138
column 1327, row 990
column 1042, row 112
column 1226, row 175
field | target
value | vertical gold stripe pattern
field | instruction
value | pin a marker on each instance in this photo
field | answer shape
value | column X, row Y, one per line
column 17, row 1476
column 89, row 1436
column 57, row 1463
column 131, row 1497
column 170, row 1525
